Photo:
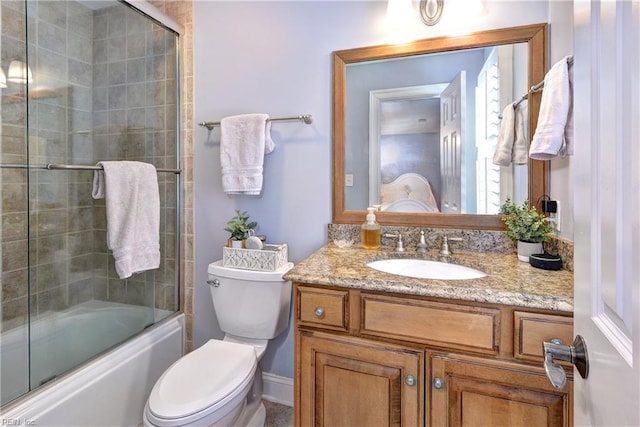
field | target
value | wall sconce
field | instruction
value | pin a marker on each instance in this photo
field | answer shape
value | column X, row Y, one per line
column 19, row 72
column 431, row 11
column 3, row 79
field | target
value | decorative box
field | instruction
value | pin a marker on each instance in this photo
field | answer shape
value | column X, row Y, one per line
column 269, row 258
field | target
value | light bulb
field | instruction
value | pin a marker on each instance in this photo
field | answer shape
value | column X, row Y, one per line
column 19, row 72
column 400, row 16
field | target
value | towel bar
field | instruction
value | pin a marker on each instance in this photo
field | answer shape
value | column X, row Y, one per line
column 306, row 118
column 53, row 166
column 535, row 88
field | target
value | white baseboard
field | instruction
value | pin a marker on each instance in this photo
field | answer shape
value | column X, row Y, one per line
column 277, row 389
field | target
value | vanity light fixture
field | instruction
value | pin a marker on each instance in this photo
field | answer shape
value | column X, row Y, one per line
column 431, row 11
column 400, row 21
column 399, row 15
column 3, row 79
column 19, row 72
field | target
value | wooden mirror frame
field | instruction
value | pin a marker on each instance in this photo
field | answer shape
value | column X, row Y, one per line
column 538, row 180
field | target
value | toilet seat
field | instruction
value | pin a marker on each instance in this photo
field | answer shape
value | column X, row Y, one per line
column 202, row 382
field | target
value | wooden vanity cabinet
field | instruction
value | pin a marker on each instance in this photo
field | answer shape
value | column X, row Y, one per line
column 365, row 358
column 350, row 381
column 475, row 392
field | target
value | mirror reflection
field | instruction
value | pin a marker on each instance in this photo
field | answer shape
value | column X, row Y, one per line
column 416, row 128
column 429, row 124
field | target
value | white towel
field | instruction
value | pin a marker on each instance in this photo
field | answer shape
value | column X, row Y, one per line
column 567, row 146
column 244, row 140
column 130, row 190
column 520, row 155
column 504, row 146
column 554, row 133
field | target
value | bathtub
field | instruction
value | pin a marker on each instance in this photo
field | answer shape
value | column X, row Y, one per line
column 109, row 390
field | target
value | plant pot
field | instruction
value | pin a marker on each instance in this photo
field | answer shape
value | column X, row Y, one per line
column 525, row 249
column 236, row 243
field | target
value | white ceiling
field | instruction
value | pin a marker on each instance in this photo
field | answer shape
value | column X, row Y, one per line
column 405, row 116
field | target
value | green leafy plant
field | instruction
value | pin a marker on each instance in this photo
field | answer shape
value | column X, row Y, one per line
column 524, row 223
column 240, row 225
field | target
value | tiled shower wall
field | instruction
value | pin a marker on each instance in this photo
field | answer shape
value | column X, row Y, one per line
column 134, row 118
column 182, row 12
column 81, row 110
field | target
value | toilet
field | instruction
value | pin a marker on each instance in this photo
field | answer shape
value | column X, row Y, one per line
column 220, row 383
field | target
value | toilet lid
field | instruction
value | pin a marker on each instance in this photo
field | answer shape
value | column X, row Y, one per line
column 202, row 378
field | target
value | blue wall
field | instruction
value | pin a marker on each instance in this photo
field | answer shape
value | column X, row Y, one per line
column 275, row 57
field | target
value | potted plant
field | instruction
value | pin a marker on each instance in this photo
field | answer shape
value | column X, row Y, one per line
column 239, row 227
column 525, row 226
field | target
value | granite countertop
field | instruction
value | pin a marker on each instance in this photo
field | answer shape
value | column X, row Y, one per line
column 508, row 281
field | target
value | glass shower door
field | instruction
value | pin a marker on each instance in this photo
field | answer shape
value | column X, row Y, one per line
column 14, row 280
column 100, row 83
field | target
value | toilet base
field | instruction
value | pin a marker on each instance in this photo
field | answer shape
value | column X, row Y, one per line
column 254, row 414
column 255, row 419
column 247, row 418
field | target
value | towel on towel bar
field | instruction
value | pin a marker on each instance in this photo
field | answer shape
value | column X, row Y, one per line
column 504, row 146
column 244, row 141
column 554, row 133
column 132, row 199
column 512, row 145
column 520, row 155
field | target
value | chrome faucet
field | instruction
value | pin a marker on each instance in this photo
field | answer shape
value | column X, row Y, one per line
column 399, row 244
column 445, row 244
column 421, row 248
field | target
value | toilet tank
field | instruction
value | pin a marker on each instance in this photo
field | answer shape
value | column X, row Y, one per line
column 250, row 304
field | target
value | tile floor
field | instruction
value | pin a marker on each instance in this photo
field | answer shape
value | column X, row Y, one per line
column 278, row 415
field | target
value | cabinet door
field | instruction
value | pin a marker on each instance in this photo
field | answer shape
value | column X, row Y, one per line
column 474, row 392
column 355, row 382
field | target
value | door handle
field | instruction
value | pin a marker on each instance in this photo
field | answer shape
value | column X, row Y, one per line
column 556, row 350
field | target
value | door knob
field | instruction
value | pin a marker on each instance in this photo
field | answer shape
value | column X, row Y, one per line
column 556, row 350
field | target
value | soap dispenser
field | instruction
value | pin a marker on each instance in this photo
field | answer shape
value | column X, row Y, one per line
column 371, row 231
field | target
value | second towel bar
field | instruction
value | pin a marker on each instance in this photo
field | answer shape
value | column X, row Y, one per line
column 306, row 118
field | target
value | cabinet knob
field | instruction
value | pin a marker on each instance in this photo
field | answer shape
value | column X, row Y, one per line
column 319, row 312
column 438, row 383
column 410, row 380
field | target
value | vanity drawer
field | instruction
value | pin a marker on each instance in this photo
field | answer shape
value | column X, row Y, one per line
column 531, row 329
column 440, row 324
column 322, row 307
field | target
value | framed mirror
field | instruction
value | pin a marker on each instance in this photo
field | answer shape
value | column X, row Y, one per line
column 415, row 128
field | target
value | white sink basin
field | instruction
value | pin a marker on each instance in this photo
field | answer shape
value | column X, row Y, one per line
column 424, row 269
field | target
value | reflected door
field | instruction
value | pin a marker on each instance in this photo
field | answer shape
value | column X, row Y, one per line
column 452, row 104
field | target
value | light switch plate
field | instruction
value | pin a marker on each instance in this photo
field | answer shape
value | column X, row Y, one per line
column 348, row 180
